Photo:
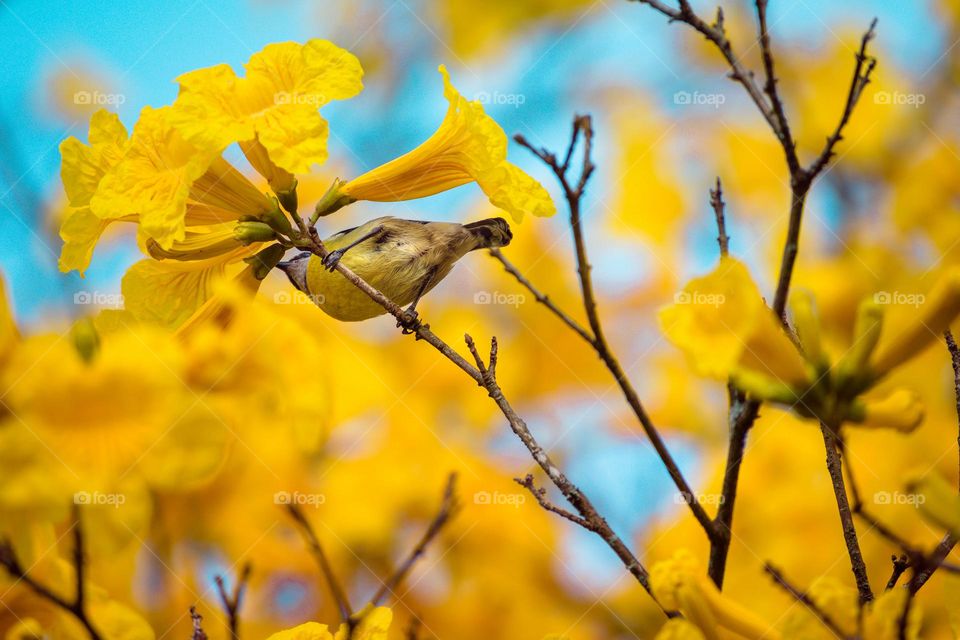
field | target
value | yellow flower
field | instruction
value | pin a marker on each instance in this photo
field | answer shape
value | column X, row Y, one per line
column 469, row 146
column 680, row 629
column 275, row 105
column 901, row 410
column 680, row 585
column 879, row 620
column 373, row 625
column 940, row 307
column 940, row 504
column 723, row 326
column 82, row 169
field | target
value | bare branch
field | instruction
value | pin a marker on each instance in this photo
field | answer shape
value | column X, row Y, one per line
column 805, row 600
column 834, row 467
column 313, row 542
column 197, row 619
column 573, row 191
column 540, row 494
column 900, row 564
column 75, row 607
column 233, row 601
column 716, row 201
column 541, row 297
column 448, row 508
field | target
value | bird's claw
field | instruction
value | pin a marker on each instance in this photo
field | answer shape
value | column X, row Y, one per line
column 410, row 321
column 332, row 260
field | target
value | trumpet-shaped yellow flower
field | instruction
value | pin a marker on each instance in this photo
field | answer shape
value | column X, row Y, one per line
column 83, row 167
column 723, row 326
column 680, row 585
column 161, row 174
column 469, row 146
column 276, row 104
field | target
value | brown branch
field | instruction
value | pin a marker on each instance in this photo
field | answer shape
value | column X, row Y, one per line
column 313, row 542
column 197, row 619
column 770, row 105
column 834, row 467
column 716, row 201
column 804, row 599
column 573, row 192
column 540, row 495
column 448, row 508
column 540, row 297
column 577, row 499
column 900, row 565
column 75, row 607
column 232, row 601
column 770, row 88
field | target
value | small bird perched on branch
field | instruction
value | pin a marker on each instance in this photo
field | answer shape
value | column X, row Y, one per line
column 404, row 259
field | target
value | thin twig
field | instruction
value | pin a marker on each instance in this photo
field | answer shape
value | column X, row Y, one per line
column 577, row 499
column 197, row 619
column 804, row 599
column 716, row 201
column 448, row 508
column 234, row 600
column 540, row 495
column 834, row 467
column 540, row 297
column 75, row 607
column 573, row 192
column 310, row 536
column 900, row 565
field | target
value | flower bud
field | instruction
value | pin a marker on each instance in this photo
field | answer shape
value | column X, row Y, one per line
column 250, row 232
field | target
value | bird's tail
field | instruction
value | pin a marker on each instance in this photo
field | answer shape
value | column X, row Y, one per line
column 490, row 233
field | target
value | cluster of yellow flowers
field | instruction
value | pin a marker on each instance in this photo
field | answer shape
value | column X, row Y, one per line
column 199, row 218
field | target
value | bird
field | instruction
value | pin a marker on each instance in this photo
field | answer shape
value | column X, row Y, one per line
column 403, row 259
